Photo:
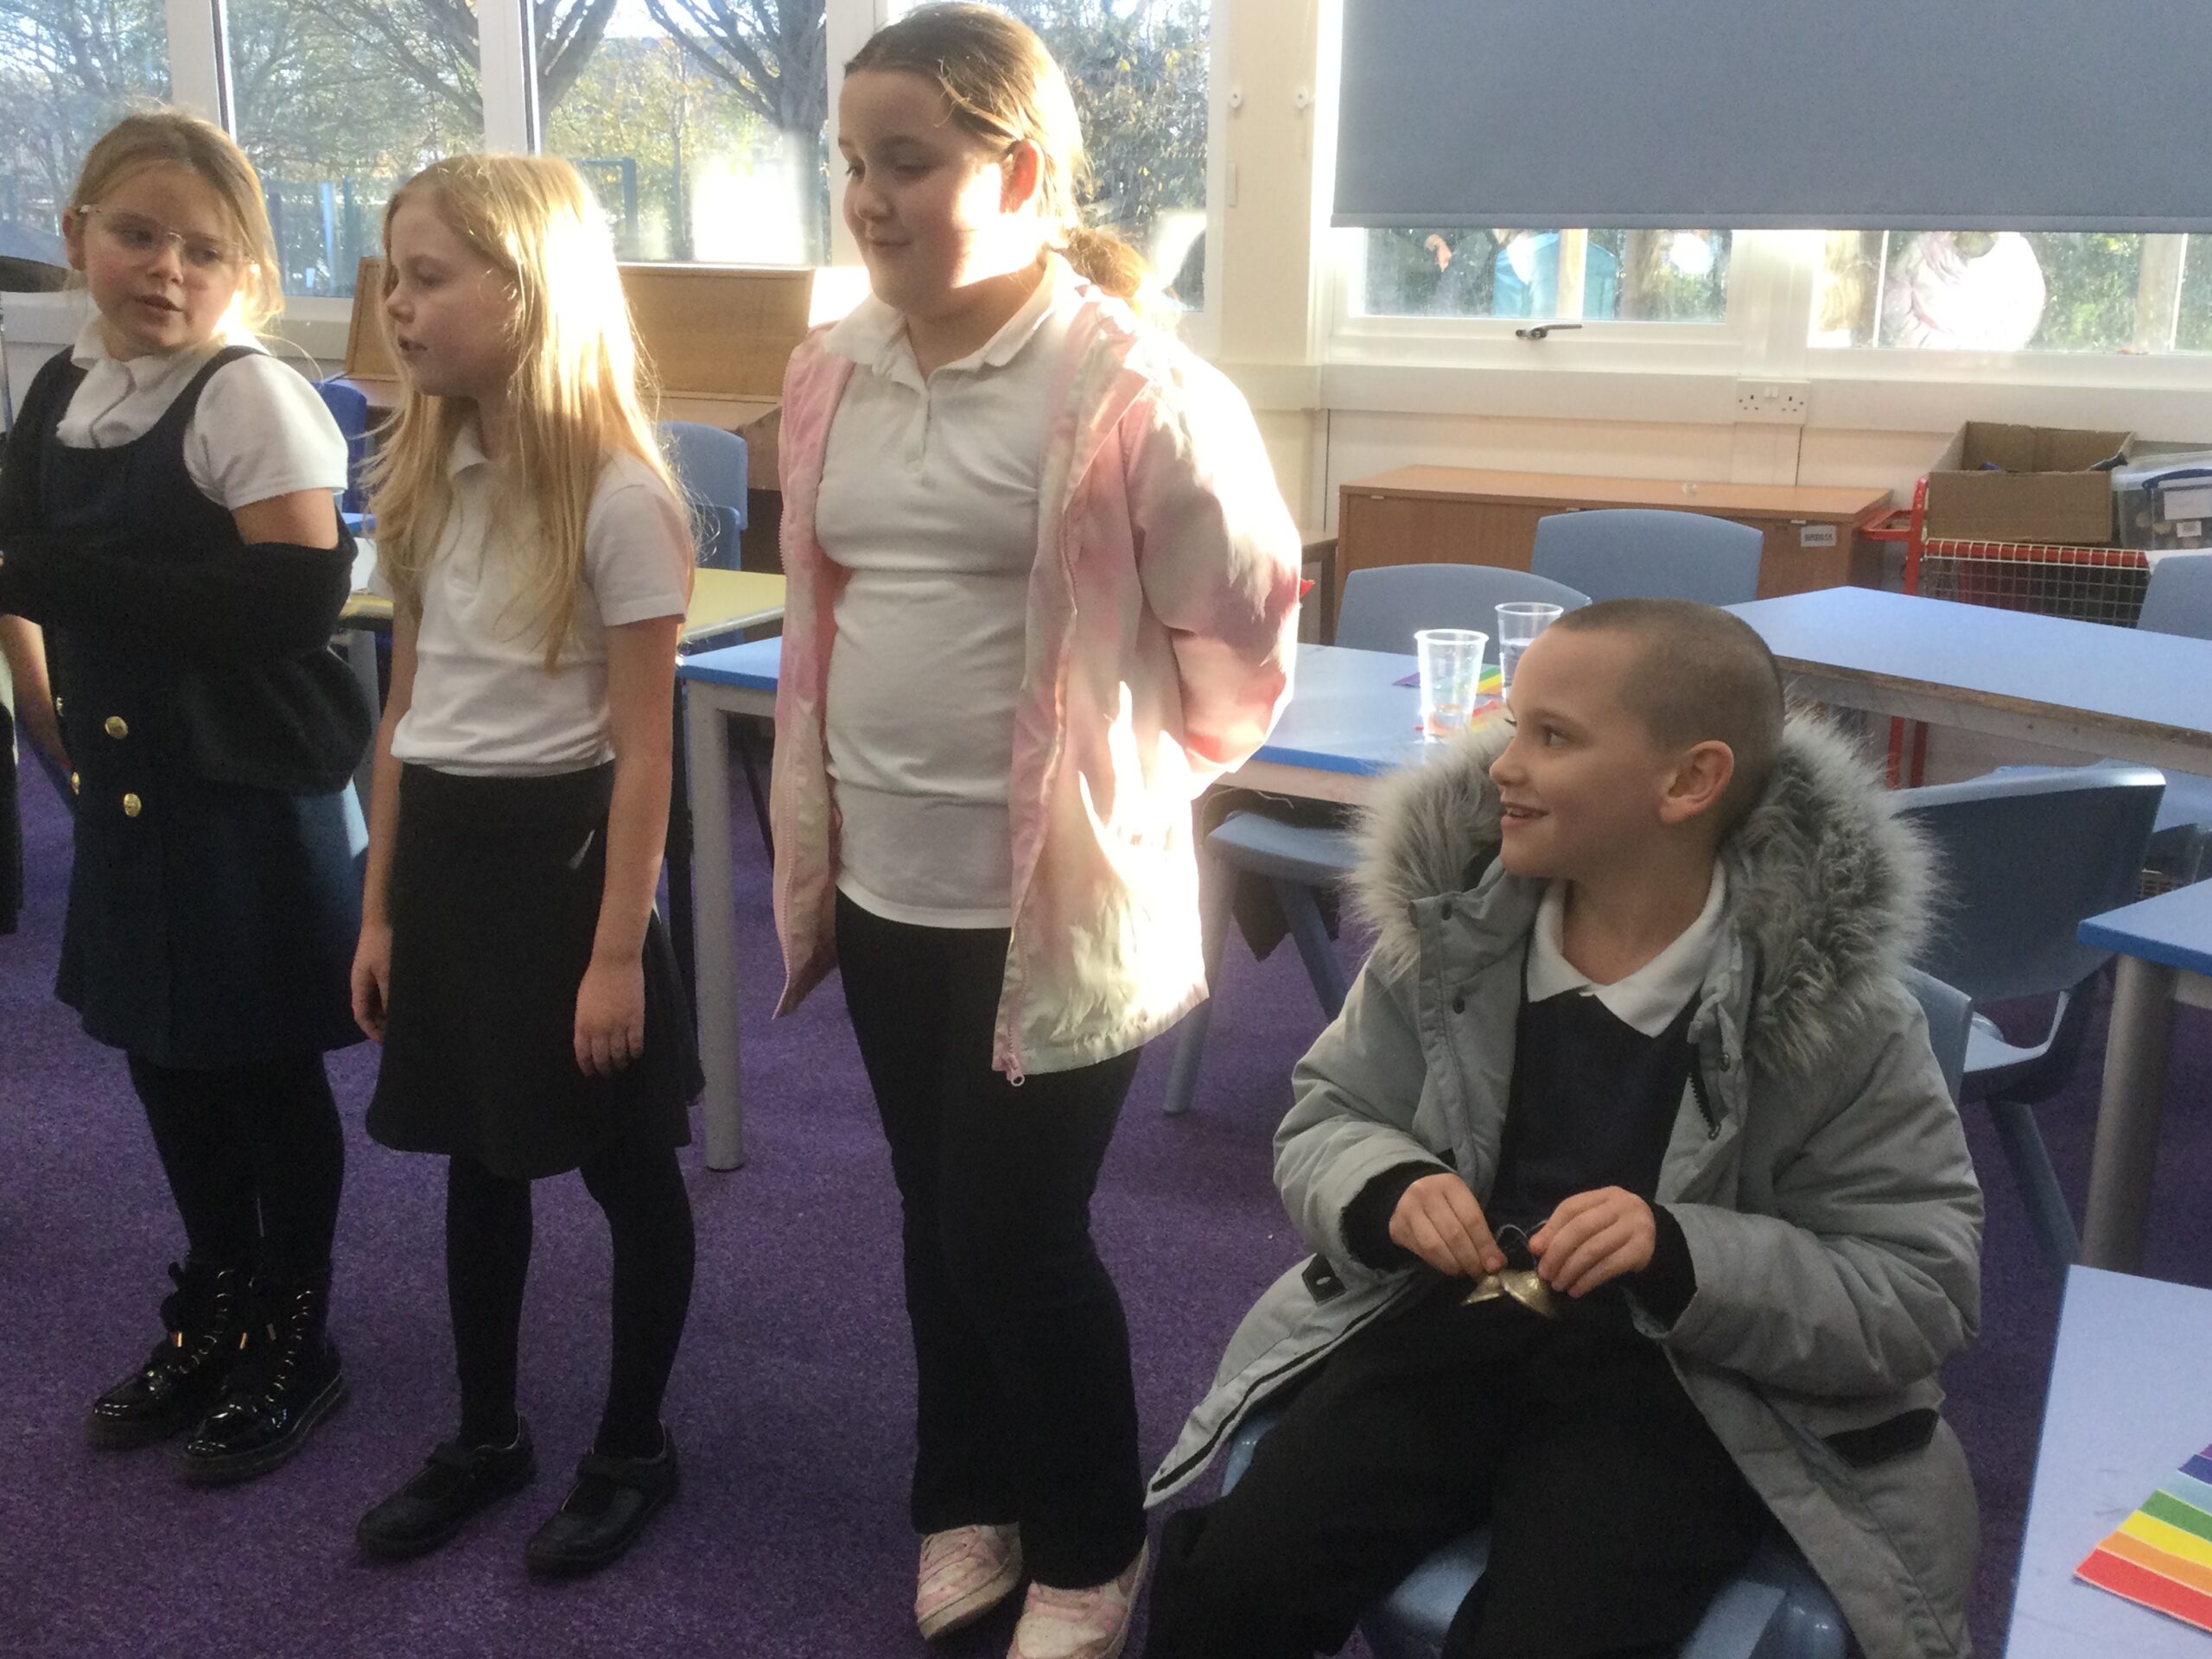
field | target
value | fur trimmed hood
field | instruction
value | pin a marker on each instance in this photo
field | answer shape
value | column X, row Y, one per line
column 1828, row 889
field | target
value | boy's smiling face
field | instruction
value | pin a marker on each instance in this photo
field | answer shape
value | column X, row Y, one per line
column 1584, row 787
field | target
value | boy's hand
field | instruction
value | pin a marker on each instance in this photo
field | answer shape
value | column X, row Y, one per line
column 1437, row 1219
column 610, row 1015
column 1593, row 1239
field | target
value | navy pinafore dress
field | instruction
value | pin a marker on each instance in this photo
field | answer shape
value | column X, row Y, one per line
column 210, row 923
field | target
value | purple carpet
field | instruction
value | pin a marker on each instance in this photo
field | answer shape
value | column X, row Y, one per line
column 791, row 1400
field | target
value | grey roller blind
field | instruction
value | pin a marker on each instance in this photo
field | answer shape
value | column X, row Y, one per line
column 2062, row 115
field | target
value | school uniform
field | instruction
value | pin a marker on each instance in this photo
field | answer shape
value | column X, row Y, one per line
column 214, row 894
column 499, row 867
column 214, row 898
column 500, row 859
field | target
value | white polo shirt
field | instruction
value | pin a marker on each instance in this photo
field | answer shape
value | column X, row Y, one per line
column 485, row 704
column 1648, row 999
column 929, row 502
column 259, row 431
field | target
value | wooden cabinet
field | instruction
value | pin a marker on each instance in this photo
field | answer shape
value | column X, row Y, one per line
column 1455, row 515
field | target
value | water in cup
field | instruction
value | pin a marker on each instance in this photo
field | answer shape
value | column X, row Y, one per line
column 1518, row 624
column 1451, row 667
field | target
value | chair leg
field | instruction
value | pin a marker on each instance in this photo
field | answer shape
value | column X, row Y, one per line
column 2031, row 1168
column 1190, row 1041
column 747, row 762
column 678, row 860
column 1303, row 913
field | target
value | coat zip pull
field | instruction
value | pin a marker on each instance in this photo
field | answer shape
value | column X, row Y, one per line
column 1704, row 1101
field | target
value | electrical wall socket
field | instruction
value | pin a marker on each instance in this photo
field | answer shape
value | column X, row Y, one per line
column 1778, row 402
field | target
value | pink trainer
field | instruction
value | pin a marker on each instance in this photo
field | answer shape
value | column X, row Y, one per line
column 1091, row 1623
column 965, row 1572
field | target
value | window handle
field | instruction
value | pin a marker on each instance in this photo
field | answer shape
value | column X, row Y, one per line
column 1542, row 330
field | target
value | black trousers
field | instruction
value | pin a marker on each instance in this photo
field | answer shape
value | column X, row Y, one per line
column 1026, row 1412
column 639, row 1186
column 255, row 1156
column 1615, row 1513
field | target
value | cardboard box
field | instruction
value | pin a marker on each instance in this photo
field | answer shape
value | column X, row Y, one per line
column 715, row 336
column 1999, row 483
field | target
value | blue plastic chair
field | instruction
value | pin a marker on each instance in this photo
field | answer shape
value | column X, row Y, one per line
column 2027, row 854
column 2179, row 601
column 710, row 464
column 349, row 407
column 1648, row 553
column 1776, row 1608
column 1382, row 607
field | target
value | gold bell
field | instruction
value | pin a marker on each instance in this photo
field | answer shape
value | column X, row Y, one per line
column 115, row 726
column 132, row 806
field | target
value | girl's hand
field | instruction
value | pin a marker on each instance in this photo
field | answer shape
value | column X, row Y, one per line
column 1439, row 1221
column 1593, row 1239
column 610, row 1015
column 372, row 977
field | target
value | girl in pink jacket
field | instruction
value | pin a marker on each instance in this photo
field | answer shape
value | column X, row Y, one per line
column 1042, row 591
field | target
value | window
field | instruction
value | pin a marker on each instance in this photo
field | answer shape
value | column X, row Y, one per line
column 339, row 102
column 69, row 69
column 1595, row 276
column 1138, row 69
column 700, row 125
column 2012, row 291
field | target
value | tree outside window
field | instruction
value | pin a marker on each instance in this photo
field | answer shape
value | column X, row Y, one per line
column 1597, row 275
column 69, row 69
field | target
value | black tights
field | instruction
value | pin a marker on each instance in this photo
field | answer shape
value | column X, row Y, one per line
column 488, row 1259
column 256, row 1156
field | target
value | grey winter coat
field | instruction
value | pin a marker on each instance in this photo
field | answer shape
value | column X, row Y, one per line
column 1823, row 1184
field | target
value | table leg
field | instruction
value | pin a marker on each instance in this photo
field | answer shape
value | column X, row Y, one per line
column 680, row 837
column 2128, row 1112
column 715, row 928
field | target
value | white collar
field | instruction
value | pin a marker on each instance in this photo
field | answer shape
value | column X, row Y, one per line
column 90, row 349
column 1647, row 1000
column 873, row 334
column 467, row 449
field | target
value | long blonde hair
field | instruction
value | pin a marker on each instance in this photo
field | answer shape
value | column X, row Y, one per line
column 577, row 393
column 1004, row 87
column 172, row 137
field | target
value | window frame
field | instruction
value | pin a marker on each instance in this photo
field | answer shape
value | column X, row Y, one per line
column 200, row 80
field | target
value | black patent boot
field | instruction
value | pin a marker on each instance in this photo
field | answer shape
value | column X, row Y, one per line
column 183, row 1377
column 287, row 1380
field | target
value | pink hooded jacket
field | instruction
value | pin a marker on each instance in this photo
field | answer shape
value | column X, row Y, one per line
column 1162, row 622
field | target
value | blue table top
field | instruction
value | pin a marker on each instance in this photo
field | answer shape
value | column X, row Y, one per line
column 2006, row 657
column 753, row 665
column 2127, row 1407
column 1347, row 712
column 2174, row 929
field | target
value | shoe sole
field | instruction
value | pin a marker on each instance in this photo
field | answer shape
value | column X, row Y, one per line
column 390, row 1550
column 575, row 1566
column 975, row 1607
column 249, row 1466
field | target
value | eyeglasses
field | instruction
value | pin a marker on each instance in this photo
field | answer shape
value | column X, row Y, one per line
column 144, row 238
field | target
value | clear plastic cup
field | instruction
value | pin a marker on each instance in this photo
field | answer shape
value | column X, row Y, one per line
column 1518, row 624
column 1451, row 668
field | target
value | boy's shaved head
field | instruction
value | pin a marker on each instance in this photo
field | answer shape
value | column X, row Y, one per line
column 1699, row 675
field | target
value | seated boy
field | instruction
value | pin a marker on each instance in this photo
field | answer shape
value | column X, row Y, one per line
column 1644, row 1216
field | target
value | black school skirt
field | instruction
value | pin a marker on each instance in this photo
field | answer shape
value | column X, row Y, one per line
column 495, row 898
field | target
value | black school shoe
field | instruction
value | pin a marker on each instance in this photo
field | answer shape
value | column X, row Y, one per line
column 604, row 1512
column 457, row 1484
column 286, row 1381
column 184, row 1376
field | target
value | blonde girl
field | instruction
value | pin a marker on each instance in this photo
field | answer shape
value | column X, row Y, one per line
column 1042, row 590
column 511, row 961
column 167, row 518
